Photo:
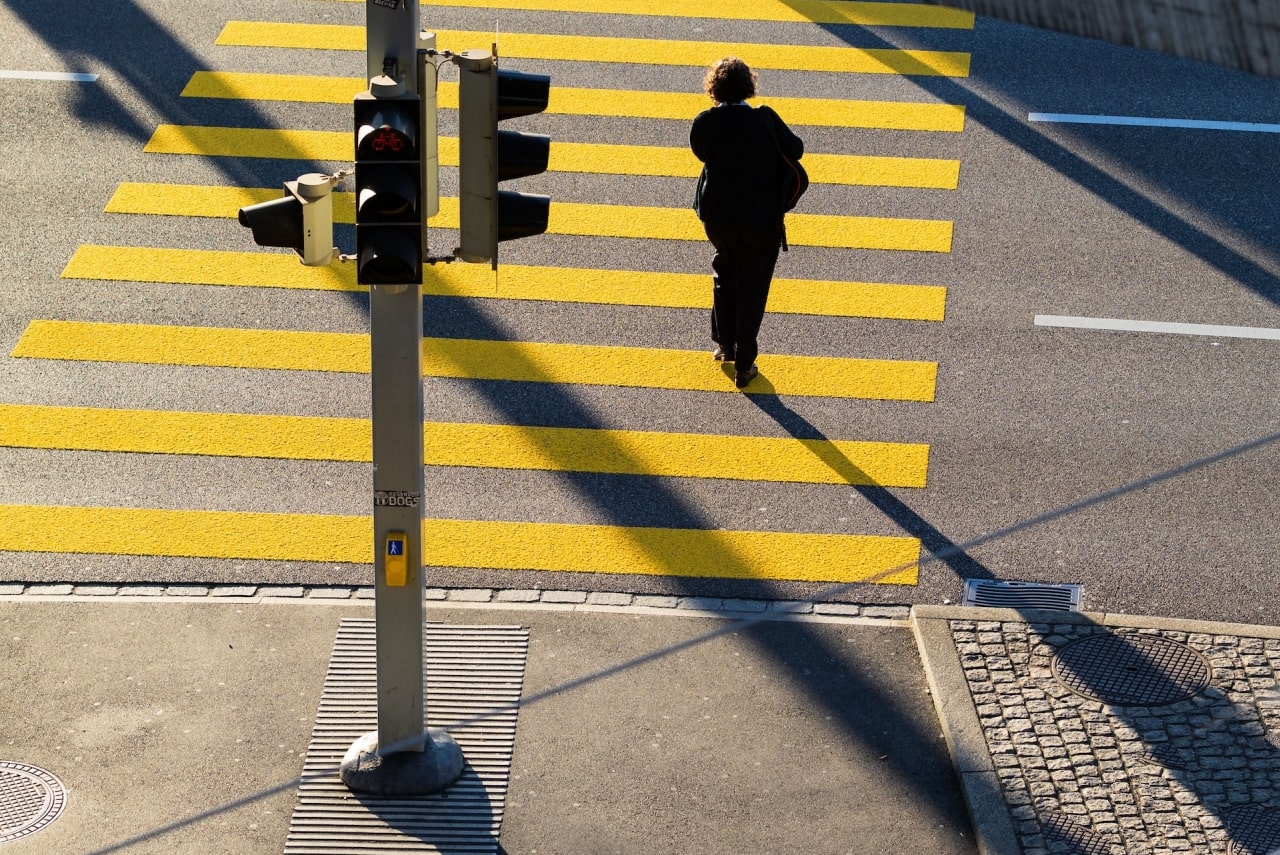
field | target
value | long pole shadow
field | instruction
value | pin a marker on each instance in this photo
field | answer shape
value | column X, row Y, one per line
column 151, row 59
column 725, row 628
column 603, row 497
column 1015, row 130
column 165, row 53
column 1178, row 230
column 1172, row 729
column 603, row 503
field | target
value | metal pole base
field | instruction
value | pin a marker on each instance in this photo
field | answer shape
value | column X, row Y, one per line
column 403, row 773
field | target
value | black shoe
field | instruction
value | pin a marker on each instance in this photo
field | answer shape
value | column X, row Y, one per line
column 722, row 355
column 745, row 377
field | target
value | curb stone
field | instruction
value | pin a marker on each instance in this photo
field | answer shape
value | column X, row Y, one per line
column 611, row 600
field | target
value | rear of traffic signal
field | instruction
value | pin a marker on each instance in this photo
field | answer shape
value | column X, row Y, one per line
column 486, row 96
column 301, row 219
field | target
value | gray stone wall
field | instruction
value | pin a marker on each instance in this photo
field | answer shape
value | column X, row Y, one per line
column 1242, row 34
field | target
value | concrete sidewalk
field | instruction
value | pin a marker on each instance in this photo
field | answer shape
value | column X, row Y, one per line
column 180, row 725
column 783, row 736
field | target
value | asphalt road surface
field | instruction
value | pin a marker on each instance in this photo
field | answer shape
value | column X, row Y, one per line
column 177, row 404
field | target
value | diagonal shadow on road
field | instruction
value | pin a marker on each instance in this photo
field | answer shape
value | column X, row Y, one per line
column 133, row 47
column 1176, row 228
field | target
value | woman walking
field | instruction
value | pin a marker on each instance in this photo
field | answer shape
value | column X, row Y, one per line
column 738, row 202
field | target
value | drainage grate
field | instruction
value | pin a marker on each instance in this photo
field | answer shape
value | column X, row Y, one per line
column 472, row 671
column 1068, row 837
column 997, row 594
column 30, row 799
column 1131, row 670
column 1254, row 830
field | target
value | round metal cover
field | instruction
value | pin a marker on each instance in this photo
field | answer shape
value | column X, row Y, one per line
column 1254, row 830
column 1068, row 837
column 30, row 799
column 1131, row 669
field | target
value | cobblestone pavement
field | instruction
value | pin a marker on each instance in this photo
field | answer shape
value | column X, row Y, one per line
column 1141, row 740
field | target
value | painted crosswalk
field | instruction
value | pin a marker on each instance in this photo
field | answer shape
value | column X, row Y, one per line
column 864, row 170
column 621, row 452
column 578, row 101
column 605, row 549
column 572, row 48
column 867, row 14
column 516, row 282
column 489, row 544
column 566, row 218
column 515, row 361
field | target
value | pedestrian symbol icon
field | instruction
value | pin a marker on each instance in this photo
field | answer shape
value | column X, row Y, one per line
column 395, row 547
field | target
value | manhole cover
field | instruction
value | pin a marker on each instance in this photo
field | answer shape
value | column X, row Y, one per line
column 30, row 799
column 1131, row 670
column 1067, row 837
column 1254, row 830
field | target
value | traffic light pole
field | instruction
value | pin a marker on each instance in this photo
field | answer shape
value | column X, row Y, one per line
column 402, row 758
column 391, row 39
column 395, row 321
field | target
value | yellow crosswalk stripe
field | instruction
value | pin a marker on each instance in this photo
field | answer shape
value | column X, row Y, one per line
column 553, row 547
column 565, row 157
column 516, row 282
column 809, row 11
column 680, row 106
column 566, row 218
column 592, row 365
column 623, row 452
column 811, row 58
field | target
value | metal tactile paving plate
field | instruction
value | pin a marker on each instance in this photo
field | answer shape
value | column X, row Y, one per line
column 30, row 799
column 1254, row 830
column 472, row 671
column 1131, row 669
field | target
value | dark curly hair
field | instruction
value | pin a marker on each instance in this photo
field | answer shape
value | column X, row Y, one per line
column 729, row 81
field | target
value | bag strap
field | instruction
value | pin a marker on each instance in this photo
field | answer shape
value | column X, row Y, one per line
column 766, row 116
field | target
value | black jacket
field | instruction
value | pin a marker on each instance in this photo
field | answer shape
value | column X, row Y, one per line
column 738, row 184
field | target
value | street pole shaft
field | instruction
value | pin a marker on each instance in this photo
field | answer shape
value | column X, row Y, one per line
column 395, row 323
column 396, row 349
column 391, row 34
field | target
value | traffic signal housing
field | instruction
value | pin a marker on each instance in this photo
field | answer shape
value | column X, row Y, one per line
column 301, row 220
column 389, row 198
column 487, row 95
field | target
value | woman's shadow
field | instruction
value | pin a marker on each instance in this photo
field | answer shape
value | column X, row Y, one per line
column 933, row 540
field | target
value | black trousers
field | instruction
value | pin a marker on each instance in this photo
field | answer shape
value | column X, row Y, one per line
column 743, row 267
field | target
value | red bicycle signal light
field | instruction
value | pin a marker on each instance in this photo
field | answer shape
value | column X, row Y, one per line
column 389, row 209
column 387, row 130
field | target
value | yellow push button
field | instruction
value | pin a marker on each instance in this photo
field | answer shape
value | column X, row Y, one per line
column 395, row 559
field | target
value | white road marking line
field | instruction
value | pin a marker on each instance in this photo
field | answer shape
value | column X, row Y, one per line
column 73, row 76
column 1214, row 330
column 1148, row 122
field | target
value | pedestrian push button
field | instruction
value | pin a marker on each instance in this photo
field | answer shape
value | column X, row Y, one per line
column 396, row 560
